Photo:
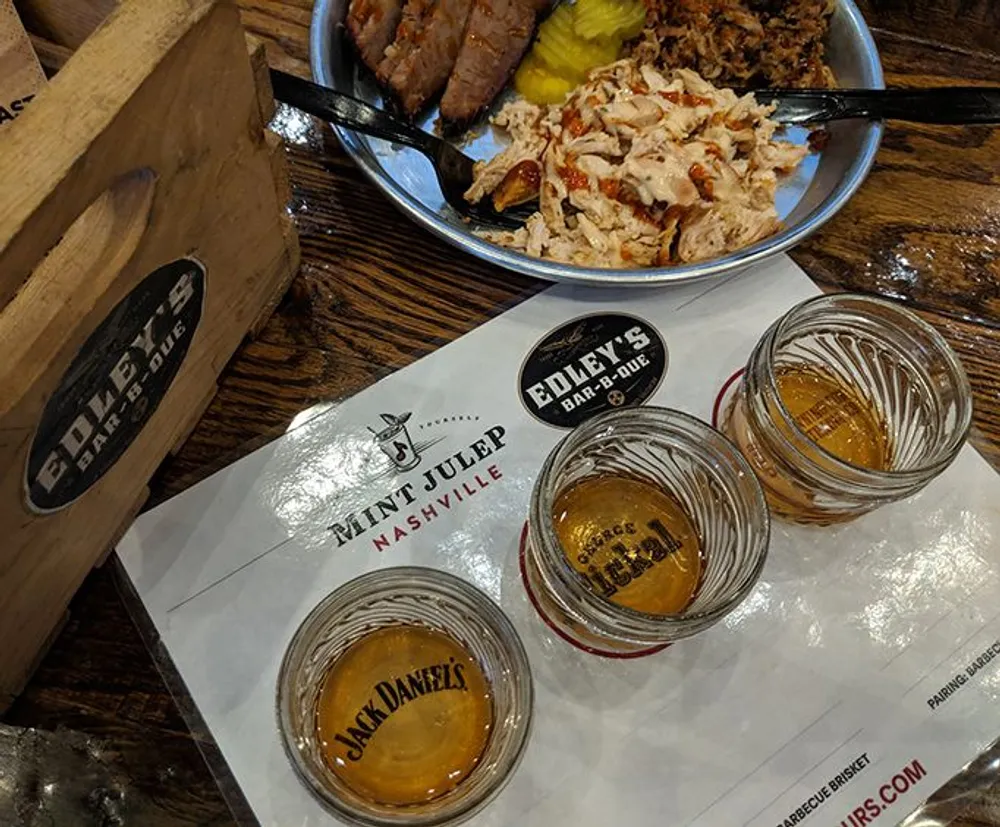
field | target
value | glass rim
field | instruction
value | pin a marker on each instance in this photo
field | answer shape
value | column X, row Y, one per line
column 613, row 616
column 951, row 447
column 463, row 596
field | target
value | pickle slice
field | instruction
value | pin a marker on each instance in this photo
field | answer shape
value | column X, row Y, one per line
column 535, row 82
column 568, row 54
column 609, row 18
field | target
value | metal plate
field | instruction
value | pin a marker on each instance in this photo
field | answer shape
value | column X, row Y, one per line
column 806, row 200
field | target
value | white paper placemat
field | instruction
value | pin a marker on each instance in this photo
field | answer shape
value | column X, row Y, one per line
column 860, row 674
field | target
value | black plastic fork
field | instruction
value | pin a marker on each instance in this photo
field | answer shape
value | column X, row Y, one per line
column 452, row 167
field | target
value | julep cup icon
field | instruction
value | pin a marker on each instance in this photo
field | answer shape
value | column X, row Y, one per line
column 395, row 442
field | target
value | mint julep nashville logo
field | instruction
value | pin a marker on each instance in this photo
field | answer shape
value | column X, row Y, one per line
column 432, row 484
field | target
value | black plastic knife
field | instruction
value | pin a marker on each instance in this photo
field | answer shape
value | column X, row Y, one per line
column 943, row 105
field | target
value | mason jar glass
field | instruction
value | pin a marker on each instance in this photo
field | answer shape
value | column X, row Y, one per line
column 645, row 526
column 847, row 403
column 405, row 698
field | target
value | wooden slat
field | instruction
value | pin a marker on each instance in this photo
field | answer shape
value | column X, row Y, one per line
column 51, row 55
column 129, row 517
column 262, row 77
column 64, row 22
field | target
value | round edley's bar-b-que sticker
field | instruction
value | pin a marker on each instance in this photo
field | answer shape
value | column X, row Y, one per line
column 592, row 364
column 114, row 385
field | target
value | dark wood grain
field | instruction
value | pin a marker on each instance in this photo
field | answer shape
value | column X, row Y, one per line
column 99, row 679
column 925, row 227
column 375, row 293
column 968, row 25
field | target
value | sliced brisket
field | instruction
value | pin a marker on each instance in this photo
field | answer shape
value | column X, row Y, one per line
column 416, row 14
column 372, row 24
column 498, row 35
column 424, row 69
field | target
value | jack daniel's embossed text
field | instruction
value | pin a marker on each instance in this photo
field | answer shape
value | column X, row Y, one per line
column 404, row 715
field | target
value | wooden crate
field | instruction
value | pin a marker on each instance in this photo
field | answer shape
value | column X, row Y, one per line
column 20, row 75
column 143, row 233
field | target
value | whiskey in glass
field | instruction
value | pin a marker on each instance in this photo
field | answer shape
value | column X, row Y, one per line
column 646, row 526
column 405, row 698
column 847, row 403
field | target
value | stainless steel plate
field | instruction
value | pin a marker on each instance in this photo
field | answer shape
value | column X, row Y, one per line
column 806, row 200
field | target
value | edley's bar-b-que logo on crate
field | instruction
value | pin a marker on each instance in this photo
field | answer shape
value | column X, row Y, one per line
column 114, row 385
column 425, row 495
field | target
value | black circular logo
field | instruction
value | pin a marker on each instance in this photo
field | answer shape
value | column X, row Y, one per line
column 592, row 364
column 114, row 385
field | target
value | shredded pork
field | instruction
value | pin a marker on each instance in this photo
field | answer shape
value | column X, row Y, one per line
column 638, row 168
column 742, row 43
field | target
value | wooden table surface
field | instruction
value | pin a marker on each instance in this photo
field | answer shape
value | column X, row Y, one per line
column 376, row 293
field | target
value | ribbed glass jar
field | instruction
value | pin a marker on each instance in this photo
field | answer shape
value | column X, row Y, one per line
column 847, row 403
column 690, row 487
column 409, row 718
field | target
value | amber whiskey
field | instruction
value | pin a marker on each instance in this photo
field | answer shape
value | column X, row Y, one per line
column 404, row 715
column 834, row 415
column 632, row 541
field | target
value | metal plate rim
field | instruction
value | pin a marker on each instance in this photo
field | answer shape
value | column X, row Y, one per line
column 320, row 47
